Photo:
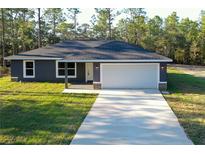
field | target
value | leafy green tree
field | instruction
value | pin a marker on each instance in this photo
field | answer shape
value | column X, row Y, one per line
column 64, row 30
column 84, row 31
column 136, row 26
column 171, row 34
column 53, row 16
column 3, row 35
column 197, row 57
column 13, row 21
column 154, row 34
column 26, row 28
column 39, row 28
column 72, row 14
column 121, row 32
column 22, row 29
column 101, row 26
column 189, row 30
column 202, row 36
column 103, row 22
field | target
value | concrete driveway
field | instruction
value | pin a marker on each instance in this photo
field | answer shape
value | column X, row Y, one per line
column 130, row 117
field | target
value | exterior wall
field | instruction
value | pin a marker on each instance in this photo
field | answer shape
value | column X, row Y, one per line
column 163, row 72
column 96, row 76
column 17, row 69
column 96, row 72
column 45, row 71
column 163, row 76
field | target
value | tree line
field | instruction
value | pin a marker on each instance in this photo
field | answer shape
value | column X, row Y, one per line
column 23, row 29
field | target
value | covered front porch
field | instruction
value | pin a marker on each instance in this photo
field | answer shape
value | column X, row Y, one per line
column 88, row 85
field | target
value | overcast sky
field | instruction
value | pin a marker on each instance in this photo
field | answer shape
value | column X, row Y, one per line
column 193, row 14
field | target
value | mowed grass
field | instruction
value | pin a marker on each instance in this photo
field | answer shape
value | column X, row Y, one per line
column 37, row 113
column 188, row 102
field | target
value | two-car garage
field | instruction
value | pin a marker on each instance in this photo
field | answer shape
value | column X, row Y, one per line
column 129, row 75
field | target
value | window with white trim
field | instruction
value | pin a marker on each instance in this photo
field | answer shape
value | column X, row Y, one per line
column 29, row 69
column 60, row 69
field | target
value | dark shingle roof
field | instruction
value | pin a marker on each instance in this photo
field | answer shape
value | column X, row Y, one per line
column 91, row 50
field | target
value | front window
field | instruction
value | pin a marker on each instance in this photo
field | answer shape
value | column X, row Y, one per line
column 29, row 69
column 60, row 66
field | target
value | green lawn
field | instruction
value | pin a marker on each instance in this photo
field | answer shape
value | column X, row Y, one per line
column 188, row 102
column 37, row 113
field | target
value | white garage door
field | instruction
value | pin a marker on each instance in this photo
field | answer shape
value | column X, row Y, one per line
column 129, row 75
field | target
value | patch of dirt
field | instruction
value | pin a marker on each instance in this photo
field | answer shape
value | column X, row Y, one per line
column 198, row 71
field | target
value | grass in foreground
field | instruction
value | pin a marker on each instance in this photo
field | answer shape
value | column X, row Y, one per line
column 37, row 113
column 188, row 102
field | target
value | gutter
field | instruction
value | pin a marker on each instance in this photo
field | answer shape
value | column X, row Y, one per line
column 93, row 60
column 35, row 58
column 115, row 61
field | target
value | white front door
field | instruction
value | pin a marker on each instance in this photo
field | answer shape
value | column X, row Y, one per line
column 89, row 71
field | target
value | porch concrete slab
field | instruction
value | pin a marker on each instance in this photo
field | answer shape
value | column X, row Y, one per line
column 78, row 91
column 131, row 117
column 81, row 86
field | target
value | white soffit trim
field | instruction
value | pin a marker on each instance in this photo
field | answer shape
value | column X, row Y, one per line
column 129, row 64
column 92, row 60
column 117, row 61
column 34, row 58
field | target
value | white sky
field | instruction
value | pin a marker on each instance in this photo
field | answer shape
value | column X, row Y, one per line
column 192, row 13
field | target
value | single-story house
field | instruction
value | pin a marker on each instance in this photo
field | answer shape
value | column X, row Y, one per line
column 106, row 64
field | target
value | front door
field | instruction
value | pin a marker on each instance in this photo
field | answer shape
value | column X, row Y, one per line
column 89, row 72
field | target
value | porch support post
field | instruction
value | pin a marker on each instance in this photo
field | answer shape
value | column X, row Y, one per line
column 66, row 75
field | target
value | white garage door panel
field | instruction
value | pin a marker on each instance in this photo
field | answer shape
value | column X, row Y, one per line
column 129, row 75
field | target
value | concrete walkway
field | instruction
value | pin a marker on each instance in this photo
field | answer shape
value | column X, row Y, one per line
column 130, row 117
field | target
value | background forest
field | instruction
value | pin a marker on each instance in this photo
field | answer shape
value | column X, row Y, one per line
column 183, row 40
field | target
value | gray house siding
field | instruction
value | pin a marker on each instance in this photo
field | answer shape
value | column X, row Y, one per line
column 17, row 68
column 163, row 72
column 45, row 71
column 96, row 72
